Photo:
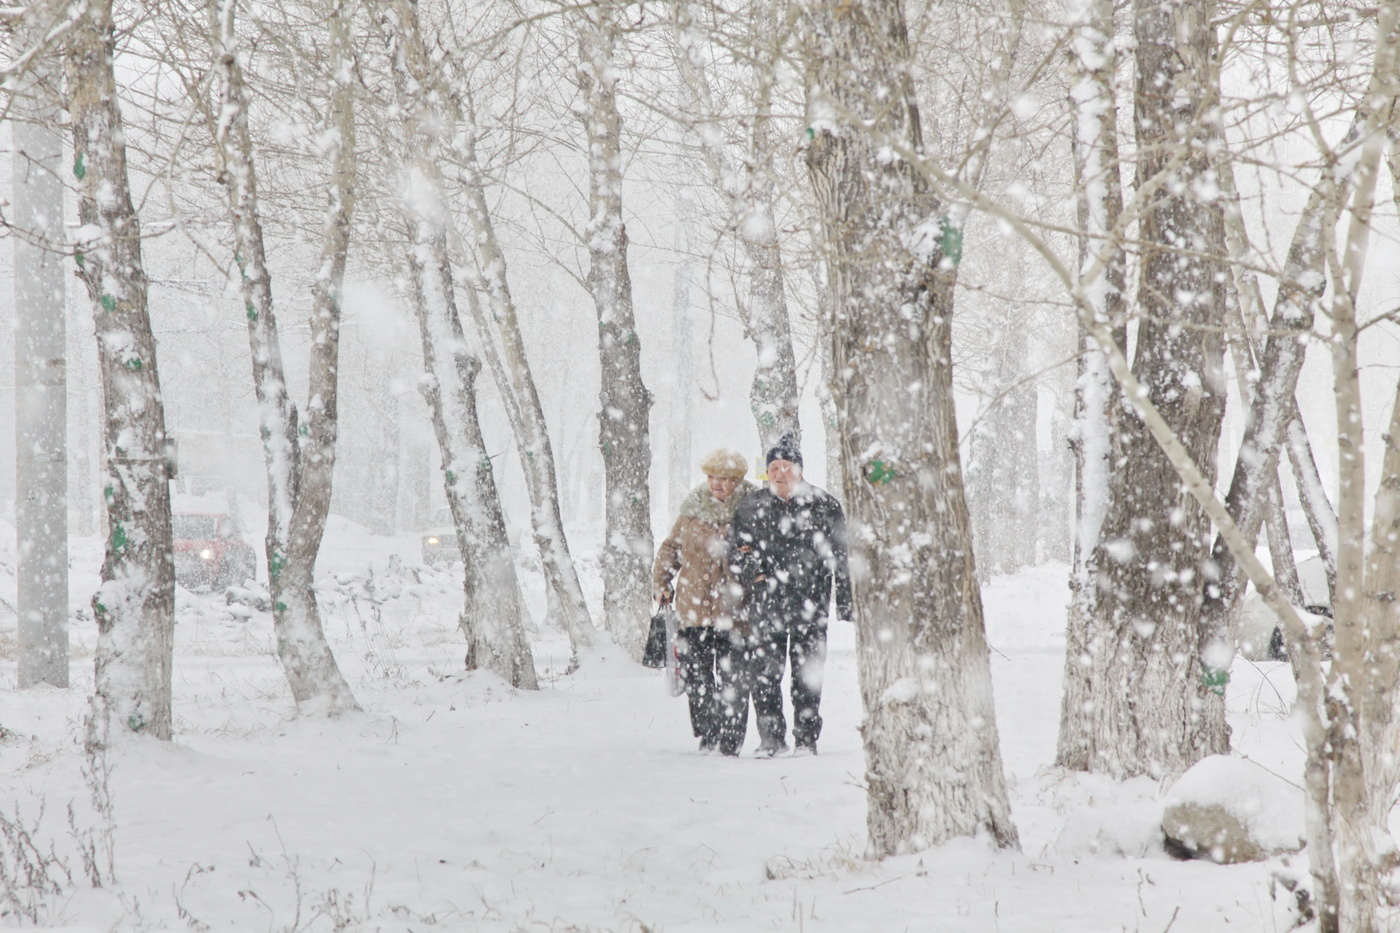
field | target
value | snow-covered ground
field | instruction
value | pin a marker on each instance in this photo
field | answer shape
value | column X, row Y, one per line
column 456, row 803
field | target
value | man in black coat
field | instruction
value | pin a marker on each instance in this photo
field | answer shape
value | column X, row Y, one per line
column 787, row 549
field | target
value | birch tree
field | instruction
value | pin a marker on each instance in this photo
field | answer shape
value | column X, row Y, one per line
column 1359, row 710
column 299, row 463
column 933, row 765
column 744, row 174
column 493, row 616
column 135, row 604
column 624, row 403
column 1101, row 274
column 1278, row 363
column 496, row 322
column 40, row 367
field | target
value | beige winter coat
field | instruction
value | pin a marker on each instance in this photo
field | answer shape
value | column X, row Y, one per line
column 692, row 560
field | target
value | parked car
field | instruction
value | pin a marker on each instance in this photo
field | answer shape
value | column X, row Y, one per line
column 440, row 546
column 210, row 550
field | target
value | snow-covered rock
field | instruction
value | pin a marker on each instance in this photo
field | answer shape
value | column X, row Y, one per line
column 1229, row 810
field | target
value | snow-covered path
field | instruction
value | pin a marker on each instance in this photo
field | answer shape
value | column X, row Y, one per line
column 456, row 803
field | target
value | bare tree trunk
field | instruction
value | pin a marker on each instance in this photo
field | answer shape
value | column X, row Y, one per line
column 493, row 618
column 41, row 382
column 1003, row 471
column 293, row 526
column 681, row 422
column 933, row 765
column 746, row 183
column 1281, row 546
column 135, row 605
column 1366, row 653
column 1322, row 518
column 1101, row 273
column 624, row 402
column 510, row 368
column 1279, row 363
column 1148, row 715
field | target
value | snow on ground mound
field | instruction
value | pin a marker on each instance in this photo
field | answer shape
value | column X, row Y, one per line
column 1110, row 819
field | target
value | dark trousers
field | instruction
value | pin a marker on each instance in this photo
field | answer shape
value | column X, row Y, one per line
column 803, row 645
column 716, row 683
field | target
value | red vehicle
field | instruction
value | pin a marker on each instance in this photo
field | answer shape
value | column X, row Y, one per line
column 210, row 550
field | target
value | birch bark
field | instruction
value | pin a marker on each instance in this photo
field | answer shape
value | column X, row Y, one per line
column 1366, row 651
column 933, row 766
column 135, row 604
column 1102, row 274
column 1279, row 364
column 511, row 369
column 294, row 523
column 745, row 180
column 493, row 618
column 624, row 401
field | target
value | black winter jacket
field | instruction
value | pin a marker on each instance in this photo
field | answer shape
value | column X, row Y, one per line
column 798, row 546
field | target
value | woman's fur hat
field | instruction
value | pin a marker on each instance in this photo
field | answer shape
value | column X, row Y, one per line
column 725, row 463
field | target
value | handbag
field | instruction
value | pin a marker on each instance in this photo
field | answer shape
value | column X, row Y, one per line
column 675, row 670
column 654, row 655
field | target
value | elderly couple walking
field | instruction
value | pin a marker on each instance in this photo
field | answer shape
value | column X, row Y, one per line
column 750, row 573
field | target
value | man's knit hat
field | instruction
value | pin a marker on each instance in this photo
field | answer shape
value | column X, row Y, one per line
column 785, row 449
column 724, row 463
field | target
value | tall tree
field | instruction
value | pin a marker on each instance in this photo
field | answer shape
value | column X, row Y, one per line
column 497, row 325
column 744, row 175
column 493, row 617
column 300, row 458
column 1100, row 281
column 1361, row 711
column 1148, row 714
column 1278, row 362
column 933, row 765
column 40, row 367
column 135, row 605
column 624, row 403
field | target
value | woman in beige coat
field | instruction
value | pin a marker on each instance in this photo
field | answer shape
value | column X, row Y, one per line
column 692, row 574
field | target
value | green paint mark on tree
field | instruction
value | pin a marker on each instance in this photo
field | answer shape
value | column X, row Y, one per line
column 276, row 565
column 79, row 168
column 119, row 538
column 951, row 242
column 767, row 419
column 451, row 478
column 133, row 364
column 304, row 429
column 1215, row 680
column 81, row 260
column 109, row 494
column 878, row 472
column 136, row 722
column 281, row 606
column 252, row 311
column 811, row 132
column 109, row 304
